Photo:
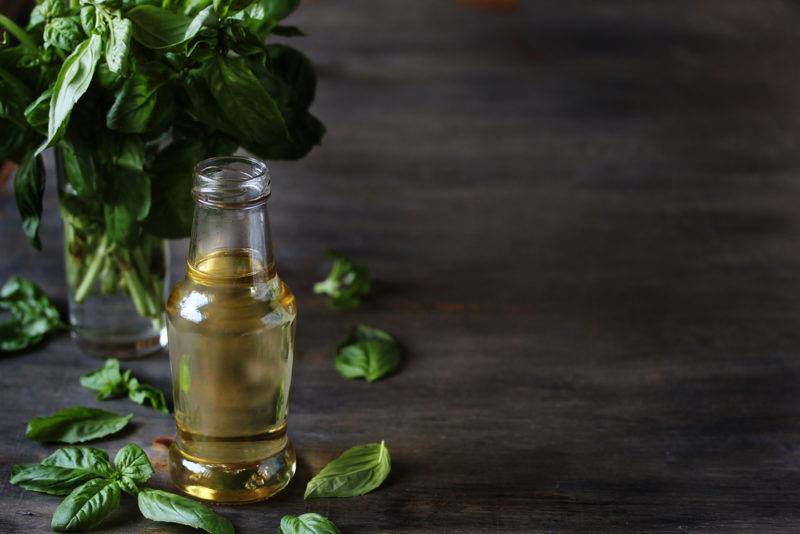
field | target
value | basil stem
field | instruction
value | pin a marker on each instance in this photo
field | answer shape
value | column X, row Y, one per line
column 91, row 273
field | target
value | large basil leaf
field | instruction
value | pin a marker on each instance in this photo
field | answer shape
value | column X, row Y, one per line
column 173, row 207
column 87, row 505
column 135, row 100
column 32, row 314
column 307, row 524
column 370, row 360
column 64, row 33
column 72, row 82
column 62, row 471
column 76, row 425
column 133, row 463
column 28, row 192
column 118, row 44
column 245, row 102
column 264, row 15
column 170, row 508
column 127, row 203
column 357, row 471
column 161, row 28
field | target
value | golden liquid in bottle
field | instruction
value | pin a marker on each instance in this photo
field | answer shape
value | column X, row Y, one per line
column 231, row 343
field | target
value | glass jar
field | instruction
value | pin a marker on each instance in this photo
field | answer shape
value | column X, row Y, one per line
column 115, row 295
column 231, row 324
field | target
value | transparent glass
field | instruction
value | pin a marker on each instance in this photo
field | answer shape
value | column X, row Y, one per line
column 231, row 324
column 115, row 296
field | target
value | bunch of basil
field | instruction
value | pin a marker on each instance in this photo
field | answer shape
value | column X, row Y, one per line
column 132, row 93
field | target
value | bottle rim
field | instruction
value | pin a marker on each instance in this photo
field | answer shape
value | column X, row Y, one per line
column 231, row 181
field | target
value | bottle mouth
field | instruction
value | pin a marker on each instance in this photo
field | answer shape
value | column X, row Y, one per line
column 231, row 181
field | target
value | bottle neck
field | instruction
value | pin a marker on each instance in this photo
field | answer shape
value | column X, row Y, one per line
column 231, row 243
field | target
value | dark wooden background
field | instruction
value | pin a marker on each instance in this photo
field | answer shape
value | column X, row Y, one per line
column 584, row 220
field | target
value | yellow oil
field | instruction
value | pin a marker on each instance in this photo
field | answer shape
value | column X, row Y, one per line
column 231, row 342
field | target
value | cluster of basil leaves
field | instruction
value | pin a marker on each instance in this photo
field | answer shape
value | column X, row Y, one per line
column 133, row 93
column 32, row 315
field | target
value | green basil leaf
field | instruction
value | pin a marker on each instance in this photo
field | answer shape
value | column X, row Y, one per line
column 86, row 506
column 307, row 524
column 106, row 381
column 76, row 425
column 62, row 471
column 38, row 112
column 136, row 99
column 64, row 33
column 127, row 203
column 72, row 82
column 133, row 463
column 347, row 283
column 163, row 506
column 357, row 471
column 173, row 207
column 141, row 393
column 87, row 16
column 28, row 191
column 118, row 44
column 368, row 359
column 85, row 458
column 226, row 7
column 32, row 314
column 244, row 101
column 265, row 14
column 161, row 28
column 77, row 164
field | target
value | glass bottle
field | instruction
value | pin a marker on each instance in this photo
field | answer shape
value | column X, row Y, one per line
column 231, row 325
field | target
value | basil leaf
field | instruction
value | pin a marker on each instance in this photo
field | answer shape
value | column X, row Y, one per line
column 368, row 359
column 163, row 506
column 78, row 167
column 72, row 82
column 362, row 332
column 357, row 471
column 141, row 393
column 244, row 101
column 32, row 314
column 63, row 33
column 133, row 463
column 75, row 425
column 62, row 471
column 346, row 284
column 127, row 202
column 225, row 7
column 161, row 28
column 118, row 44
column 28, row 192
column 106, row 381
column 307, row 524
column 86, row 506
column 172, row 204
column 110, row 381
column 136, row 99
column 48, row 479
column 37, row 113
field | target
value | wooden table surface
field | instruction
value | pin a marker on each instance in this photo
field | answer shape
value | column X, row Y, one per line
column 584, row 220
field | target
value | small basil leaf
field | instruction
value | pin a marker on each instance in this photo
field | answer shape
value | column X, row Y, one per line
column 133, row 463
column 136, row 99
column 118, row 44
column 163, row 506
column 307, row 524
column 357, row 471
column 368, row 359
column 64, row 33
column 161, row 28
column 28, row 191
column 72, row 82
column 32, row 314
column 107, row 380
column 86, row 506
column 362, row 332
column 49, row 479
column 141, row 393
column 346, row 284
column 75, row 425
column 226, row 7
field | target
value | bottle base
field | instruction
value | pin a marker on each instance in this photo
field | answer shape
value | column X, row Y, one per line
column 121, row 348
column 234, row 483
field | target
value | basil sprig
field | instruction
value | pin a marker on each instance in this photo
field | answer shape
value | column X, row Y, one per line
column 307, row 524
column 32, row 315
column 76, row 425
column 93, row 489
column 347, row 283
column 110, row 381
column 367, row 353
column 357, row 471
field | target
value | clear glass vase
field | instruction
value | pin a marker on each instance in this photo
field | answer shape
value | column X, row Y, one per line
column 116, row 295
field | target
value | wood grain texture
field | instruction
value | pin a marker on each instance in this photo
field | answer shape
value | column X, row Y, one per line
column 583, row 219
